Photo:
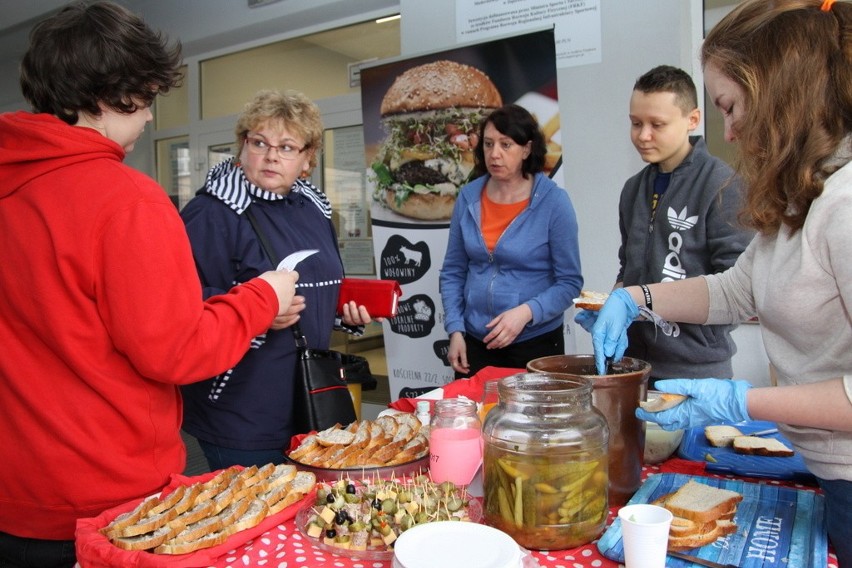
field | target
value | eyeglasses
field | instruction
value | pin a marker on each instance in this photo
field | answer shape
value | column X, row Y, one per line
column 260, row 146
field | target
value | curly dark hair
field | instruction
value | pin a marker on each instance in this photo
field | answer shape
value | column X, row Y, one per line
column 99, row 53
column 517, row 123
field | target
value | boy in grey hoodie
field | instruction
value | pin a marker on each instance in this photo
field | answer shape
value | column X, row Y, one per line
column 677, row 218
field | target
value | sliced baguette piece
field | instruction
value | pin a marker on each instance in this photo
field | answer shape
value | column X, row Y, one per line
column 335, row 435
column 700, row 502
column 131, row 517
column 409, row 419
column 663, row 401
column 200, row 510
column 282, row 474
column 147, row 524
column 185, row 547
column 300, row 486
column 721, row 436
column 168, row 502
column 199, row 529
column 255, row 513
column 306, row 446
column 145, row 541
column 754, row 445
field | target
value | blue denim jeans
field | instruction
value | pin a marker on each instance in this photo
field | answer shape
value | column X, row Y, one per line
column 220, row 457
column 20, row 552
column 838, row 518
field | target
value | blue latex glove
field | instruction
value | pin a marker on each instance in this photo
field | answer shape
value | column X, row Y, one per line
column 586, row 319
column 710, row 401
column 609, row 332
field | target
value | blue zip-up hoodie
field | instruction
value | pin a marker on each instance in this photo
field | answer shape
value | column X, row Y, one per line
column 536, row 261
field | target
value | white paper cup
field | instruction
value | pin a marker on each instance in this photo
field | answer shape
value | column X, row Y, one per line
column 645, row 533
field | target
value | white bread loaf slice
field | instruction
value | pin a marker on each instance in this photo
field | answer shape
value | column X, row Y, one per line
column 590, row 300
column 721, row 436
column 700, row 502
column 719, row 529
column 754, row 445
column 663, row 401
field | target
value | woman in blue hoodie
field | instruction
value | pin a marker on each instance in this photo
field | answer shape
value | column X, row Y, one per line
column 512, row 265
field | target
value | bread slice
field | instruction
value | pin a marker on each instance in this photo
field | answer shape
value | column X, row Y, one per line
column 662, row 402
column 701, row 538
column 255, row 513
column 296, row 490
column 282, row 474
column 388, row 424
column 147, row 524
column 185, row 547
column 308, row 444
column 754, row 445
column 335, row 435
column 145, row 541
column 590, row 300
column 131, row 517
column 700, row 502
column 721, row 436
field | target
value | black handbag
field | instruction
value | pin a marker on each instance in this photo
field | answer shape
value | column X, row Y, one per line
column 321, row 397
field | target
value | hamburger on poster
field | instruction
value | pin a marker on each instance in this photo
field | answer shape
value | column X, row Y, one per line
column 431, row 114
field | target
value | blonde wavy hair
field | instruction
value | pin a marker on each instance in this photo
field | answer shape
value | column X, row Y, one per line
column 793, row 62
column 290, row 109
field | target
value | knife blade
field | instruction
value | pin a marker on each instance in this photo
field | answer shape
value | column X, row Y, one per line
column 764, row 432
column 700, row 561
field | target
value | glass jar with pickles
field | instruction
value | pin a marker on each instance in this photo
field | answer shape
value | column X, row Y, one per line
column 545, row 462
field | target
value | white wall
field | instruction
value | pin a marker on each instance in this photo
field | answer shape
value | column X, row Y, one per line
column 598, row 156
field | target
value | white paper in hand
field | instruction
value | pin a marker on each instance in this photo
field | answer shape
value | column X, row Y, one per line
column 292, row 260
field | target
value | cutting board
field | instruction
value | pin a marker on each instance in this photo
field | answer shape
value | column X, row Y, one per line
column 694, row 446
column 778, row 527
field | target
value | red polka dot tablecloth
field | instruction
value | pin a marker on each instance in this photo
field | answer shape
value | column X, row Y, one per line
column 285, row 547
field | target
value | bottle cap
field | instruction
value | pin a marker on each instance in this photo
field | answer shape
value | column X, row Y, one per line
column 422, row 406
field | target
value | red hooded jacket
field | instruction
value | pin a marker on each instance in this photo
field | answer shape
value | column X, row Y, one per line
column 101, row 318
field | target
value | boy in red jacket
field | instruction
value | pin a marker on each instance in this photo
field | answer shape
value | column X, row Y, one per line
column 100, row 309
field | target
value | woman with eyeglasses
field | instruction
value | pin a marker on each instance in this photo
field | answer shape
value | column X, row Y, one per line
column 244, row 415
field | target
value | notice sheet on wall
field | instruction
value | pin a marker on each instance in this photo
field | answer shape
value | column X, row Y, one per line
column 577, row 24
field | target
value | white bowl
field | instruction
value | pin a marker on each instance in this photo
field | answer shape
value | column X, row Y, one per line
column 455, row 544
column 660, row 444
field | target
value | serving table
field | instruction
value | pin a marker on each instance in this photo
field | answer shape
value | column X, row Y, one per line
column 284, row 545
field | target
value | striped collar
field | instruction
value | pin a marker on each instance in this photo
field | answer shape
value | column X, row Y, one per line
column 228, row 183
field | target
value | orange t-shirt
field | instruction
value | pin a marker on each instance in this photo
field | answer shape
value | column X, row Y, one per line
column 496, row 217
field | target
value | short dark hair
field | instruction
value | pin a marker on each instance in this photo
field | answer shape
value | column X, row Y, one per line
column 668, row 79
column 517, row 123
column 96, row 53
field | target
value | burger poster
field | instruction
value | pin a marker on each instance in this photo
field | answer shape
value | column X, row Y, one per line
column 421, row 122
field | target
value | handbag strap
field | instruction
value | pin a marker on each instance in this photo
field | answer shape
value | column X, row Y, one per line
column 301, row 340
